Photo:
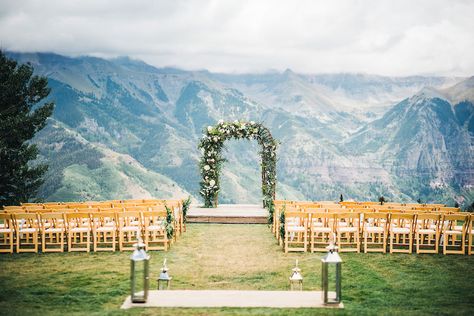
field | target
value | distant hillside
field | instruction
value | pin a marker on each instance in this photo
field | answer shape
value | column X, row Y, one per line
column 122, row 128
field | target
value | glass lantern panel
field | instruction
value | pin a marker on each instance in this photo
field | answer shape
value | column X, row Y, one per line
column 162, row 284
column 139, row 278
column 331, row 277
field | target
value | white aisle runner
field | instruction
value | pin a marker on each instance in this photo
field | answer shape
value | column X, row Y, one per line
column 229, row 298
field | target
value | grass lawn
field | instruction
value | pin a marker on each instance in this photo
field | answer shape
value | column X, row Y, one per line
column 235, row 257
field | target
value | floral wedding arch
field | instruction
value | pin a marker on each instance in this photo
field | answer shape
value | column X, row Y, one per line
column 211, row 162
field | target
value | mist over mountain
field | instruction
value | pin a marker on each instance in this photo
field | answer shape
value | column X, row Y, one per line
column 125, row 129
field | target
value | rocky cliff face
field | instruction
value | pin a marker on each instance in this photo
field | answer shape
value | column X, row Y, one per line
column 132, row 129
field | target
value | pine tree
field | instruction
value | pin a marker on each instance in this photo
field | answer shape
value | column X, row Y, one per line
column 21, row 117
column 381, row 200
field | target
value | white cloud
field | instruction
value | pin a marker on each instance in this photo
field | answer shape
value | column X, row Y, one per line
column 384, row 37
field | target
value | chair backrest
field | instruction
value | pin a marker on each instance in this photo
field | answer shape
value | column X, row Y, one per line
column 78, row 219
column 321, row 218
column 451, row 220
column 32, row 208
column 53, row 219
column 103, row 218
column 129, row 218
column 154, row 218
column 402, row 219
column 157, row 208
column 25, row 220
column 54, row 206
column 135, row 208
column 30, row 204
column 428, row 216
column 295, row 218
column 375, row 219
column 14, row 210
column 351, row 219
column 78, row 206
column 427, row 220
column 6, row 219
column 449, row 209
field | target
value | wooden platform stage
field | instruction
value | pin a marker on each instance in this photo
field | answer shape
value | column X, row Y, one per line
column 229, row 298
column 228, row 214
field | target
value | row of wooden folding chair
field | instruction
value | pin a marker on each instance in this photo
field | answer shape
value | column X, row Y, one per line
column 24, row 229
column 399, row 231
column 179, row 225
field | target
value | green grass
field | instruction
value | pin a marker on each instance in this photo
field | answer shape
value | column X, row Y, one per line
column 235, row 257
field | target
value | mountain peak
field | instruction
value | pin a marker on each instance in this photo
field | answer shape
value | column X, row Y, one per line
column 428, row 93
column 462, row 91
column 289, row 72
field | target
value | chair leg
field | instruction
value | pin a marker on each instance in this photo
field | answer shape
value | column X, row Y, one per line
column 305, row 236
column 88, row 242
column 17, row 242
column 445, row 241
column 391, row 242
column 35, row 237
column 365, row 242
column 94, row 238
column 469, row 244
column 69, row 241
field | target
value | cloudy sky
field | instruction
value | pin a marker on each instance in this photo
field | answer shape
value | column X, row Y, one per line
column 395, row 37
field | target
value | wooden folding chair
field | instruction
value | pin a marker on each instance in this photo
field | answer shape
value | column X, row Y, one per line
column 401, row 232
column 321, row 229
column 27, row 229
column 7, row 232
column 427, row 233
column 296, row 231
column 78, row 231
column 347, row 227
column 454, row 233
column 129, row 229
column 374, row 228
column 154, row 227
column 53, row 230
column 104, row 228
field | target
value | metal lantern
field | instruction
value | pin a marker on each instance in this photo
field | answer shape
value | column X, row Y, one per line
column 331, row 264
column 139, row 273
column 296, row 279
column 164, row 280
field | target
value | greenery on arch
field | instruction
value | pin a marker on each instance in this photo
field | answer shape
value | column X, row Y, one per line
column 211, row 162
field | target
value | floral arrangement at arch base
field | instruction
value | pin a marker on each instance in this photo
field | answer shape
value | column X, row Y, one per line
column 211, row 145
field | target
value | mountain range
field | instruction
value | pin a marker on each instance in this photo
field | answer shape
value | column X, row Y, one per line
column 125, row 129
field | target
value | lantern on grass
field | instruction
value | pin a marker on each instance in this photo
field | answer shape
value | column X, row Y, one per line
column 139, row 273
column 164, row 280
column 296, row 279
column 331, row 276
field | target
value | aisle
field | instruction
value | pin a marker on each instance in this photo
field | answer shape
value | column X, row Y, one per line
column 220, row 265
column 228, row 214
